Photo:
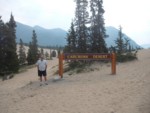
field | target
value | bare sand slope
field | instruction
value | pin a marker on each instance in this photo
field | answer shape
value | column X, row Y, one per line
column 91, row 92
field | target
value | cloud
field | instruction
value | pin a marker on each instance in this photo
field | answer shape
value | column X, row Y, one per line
column 132, row 15
column 46, row 13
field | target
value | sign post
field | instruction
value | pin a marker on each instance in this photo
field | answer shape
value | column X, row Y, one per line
column 87, row 56
column 113, row 63
column 61, row 65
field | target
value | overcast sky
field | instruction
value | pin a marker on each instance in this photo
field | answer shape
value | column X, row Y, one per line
column 132, row 15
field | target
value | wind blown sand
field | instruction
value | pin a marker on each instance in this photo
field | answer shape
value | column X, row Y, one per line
column 90, row 92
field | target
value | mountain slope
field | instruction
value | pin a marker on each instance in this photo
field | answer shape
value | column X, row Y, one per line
column 113, row 35
column 146, row 46
column 45, row 37
column 51, row 37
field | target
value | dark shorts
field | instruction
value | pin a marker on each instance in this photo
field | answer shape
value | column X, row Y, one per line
column 42, row 73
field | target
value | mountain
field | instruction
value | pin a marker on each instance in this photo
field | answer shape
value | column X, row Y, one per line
column 146, row 46
column 113, row 35
column 52, row 37
column 45, row 37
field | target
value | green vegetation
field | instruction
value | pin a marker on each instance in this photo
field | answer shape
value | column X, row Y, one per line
column 9, row 62
column 123, row 49
column 75, row 67
column 87, row 32
column 87, row 35
column 22, row 54
column 33, row 50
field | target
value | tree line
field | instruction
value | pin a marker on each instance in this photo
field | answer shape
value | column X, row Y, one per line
column 86, row 35
column 10, row 61
column 8, row 57
column 87, row 32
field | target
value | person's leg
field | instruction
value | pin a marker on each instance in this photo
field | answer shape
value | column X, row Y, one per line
column 45, row 77
column 40, row 78
column 40, row 75
column 45, row 80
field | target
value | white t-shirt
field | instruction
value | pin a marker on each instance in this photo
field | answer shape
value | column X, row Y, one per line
column 42, row 64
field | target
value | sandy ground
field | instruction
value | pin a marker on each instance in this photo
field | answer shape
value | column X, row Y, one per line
column 91, row 92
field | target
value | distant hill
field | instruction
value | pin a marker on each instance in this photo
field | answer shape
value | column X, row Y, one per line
column 113, row 35
column 146, row 46
column 52, row 37
column 45, row 37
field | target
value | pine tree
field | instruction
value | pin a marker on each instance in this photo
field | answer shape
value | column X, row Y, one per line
column 22, row 54
column 126, row 45
column 81, row 19
column 10, row 46
column 124, row 52
column 71, row 40
column 35, row 46
column 29, row 54
column 42, row 51
column 46, row 55
column 2, row 60
column 33, row 50
column 120, row 45
column 98, row 44
column 50, row 54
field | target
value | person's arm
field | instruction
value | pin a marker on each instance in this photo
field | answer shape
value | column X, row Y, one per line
column 45, row 65
column 37, row 65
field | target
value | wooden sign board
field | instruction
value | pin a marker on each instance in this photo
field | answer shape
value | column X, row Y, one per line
column 86, row 56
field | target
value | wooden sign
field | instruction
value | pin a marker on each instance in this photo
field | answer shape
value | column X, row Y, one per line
column 86, row 56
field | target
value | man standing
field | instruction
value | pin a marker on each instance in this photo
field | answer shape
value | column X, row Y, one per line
column 42, row 66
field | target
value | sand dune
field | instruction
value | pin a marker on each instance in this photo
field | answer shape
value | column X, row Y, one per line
column 91, row 92
column 45, row 50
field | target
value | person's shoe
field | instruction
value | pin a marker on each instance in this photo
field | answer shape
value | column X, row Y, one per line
column 46, row 83
column 41, row 84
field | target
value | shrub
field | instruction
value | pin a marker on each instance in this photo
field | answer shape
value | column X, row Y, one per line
column 126, row 57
